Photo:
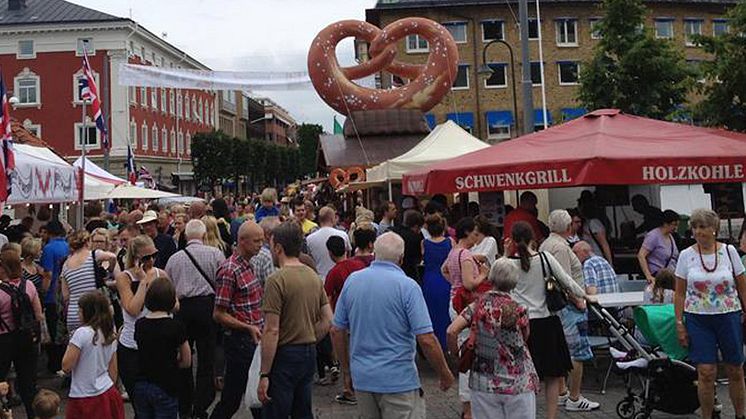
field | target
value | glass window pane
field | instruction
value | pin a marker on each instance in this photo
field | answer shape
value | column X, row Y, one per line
column 26, row 48
column 568, row 73
column 462, row 78
column 492, row 30
column 535, row 73
column 533, row 29
column 498, row 77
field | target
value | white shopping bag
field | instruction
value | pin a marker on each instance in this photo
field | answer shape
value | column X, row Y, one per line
column 251, row 399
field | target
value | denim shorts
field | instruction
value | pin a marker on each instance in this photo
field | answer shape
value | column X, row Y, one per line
column 709, row 333
column 575, row 325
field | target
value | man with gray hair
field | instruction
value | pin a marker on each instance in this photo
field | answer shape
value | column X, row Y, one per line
column 574, row 316
column 193, row 271
column 385, row 314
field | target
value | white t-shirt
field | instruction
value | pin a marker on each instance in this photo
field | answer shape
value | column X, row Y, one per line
column 317, row 247
column 710, row 292
column 488, row 248
column 90, row 377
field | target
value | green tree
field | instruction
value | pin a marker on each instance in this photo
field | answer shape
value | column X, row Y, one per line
column 631, row 70
column 211, row 157
column 724, row 103
column 308, row 141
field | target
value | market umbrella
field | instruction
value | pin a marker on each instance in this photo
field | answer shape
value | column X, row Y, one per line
column 605, row 147
column 128, row 191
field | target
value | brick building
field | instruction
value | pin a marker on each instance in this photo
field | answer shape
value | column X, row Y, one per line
column 279, row 126
column 41, row 43
column 484, row 104
column 241, row 115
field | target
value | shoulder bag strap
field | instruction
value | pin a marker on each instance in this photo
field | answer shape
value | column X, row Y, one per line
column 732, row 266
column 199, row 268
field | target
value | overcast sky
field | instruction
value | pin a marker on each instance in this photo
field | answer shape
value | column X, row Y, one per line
column 247, row 35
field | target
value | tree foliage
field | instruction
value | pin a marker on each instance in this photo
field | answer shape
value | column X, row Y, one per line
column 631, row 70
column 724, row 102
column 217, row 157
column 308, row 141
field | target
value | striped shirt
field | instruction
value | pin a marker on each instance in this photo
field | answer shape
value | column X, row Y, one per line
column 186, row 278
column 262, row 265
column 79, row 281
column 599, row 273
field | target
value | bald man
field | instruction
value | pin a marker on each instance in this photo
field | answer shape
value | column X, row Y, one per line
column 317, row 241
column 197, row 210
column 600, row 277
column 238, row 299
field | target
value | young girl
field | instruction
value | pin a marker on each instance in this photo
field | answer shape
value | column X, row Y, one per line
column 164, row 340
column 90, row 358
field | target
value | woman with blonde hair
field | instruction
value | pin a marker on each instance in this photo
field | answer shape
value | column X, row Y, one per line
column 212, row 237
column 78, row 274
column 32, row 272
column 132, row 284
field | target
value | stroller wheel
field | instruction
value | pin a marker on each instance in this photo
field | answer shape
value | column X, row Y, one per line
column 642, row 415
column 626, row 409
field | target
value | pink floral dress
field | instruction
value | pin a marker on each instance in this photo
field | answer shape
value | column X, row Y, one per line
column 503, row 363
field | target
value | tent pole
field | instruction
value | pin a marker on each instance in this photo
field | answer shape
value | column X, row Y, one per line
column 81, row 218
column 391, row 192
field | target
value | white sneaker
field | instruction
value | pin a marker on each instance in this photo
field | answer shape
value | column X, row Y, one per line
column 562, row 399
column 581, row 405
column 616, row 353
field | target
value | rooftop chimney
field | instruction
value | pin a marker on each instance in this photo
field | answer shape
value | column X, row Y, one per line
column 16, row 4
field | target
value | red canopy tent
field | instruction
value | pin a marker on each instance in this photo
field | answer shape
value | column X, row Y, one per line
column 605, row 147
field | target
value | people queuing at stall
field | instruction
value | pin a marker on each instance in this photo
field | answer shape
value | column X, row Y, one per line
column 164, row 307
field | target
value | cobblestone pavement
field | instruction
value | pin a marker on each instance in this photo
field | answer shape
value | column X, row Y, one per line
column 442, row 405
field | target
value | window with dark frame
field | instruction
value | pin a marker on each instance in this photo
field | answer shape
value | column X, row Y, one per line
column 499, row 76
column 462, row 77
column 493, row 30
column 569, row 72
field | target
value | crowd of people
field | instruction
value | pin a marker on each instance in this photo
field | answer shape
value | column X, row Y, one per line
column 164, row 307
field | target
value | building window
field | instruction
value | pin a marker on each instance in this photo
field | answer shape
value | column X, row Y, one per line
column 164, row 138
column 187, row 109
column 567, row 32
column 212, row 114
column 664, row 28
column 144, row 96
column 180, row 140
column 499, row 76
column 171, row 103
column 88, row 44
column 207, row 111
column 163, row 62
column 462, row 78
column 173, row 141
column 34, row 129
column 92, row 141
column 188, row 144
column 569, row 73
column 457, row 30
column 179, row 105
column 133, row 134
column 28, row 88
column 142, row 54
column 692, row 29
column 154, row 141
column 493, row 30
column 417, row 43
column 26, row 49
column 154, row 98
column 498, row 125
column 533, row 28
column 144, row 136
column 194, row 108
column 536, row 76
column 595, row 32
column 164, row 104
column 720, row 27
column 132, row 94
column 199, row 110
column 152, row 58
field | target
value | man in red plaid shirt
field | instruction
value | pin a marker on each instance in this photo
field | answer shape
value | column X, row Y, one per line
column 238, row 300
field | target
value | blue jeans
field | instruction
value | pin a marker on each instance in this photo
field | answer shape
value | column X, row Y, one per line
column 291, row 383
column 239, row 351
column 151, row 402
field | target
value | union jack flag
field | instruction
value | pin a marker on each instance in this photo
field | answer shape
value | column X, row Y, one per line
column 146, row 178
column 89, row 92
column 131, row 168
column 7, row 156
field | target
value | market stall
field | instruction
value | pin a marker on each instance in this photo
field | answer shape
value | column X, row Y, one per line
column 41, row 177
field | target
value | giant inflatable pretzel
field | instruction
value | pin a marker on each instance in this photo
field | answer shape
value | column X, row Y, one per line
column 428, row 83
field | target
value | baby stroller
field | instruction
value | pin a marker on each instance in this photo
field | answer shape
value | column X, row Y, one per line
column 667, row 384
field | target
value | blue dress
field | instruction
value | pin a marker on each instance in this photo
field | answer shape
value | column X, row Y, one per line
column 436, row 289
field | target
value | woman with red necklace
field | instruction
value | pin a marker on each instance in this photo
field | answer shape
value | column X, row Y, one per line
column 710, row 294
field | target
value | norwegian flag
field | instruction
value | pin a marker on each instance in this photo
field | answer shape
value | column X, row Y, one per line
column 89, row 92
column 131, row 170
column 7, row 156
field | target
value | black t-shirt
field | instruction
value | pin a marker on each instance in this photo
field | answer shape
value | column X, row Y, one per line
column 412, row 250
column 158, row 342
column 166, row 248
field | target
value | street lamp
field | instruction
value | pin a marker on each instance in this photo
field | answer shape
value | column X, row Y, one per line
column 485, row 70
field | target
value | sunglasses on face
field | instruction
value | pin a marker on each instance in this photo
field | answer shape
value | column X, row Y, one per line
column 148, row 258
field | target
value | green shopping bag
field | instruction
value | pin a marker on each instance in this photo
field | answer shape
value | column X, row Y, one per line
column 658, row 324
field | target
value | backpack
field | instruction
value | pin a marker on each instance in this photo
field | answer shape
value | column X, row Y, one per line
column 22, row 309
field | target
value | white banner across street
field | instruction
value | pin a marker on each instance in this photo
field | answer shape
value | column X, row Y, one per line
column 151, row 76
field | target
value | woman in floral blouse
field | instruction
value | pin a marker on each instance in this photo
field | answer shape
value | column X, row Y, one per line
column 503, row 380
column 709, row 296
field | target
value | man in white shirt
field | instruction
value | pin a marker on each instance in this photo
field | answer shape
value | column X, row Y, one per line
column 317, row 241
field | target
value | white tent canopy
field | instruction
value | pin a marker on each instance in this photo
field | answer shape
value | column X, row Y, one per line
column 446, row 141
column 128, row 191
column 41, row 177
column 92, row 169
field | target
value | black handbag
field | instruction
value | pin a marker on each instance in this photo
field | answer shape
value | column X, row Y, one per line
column 555, row 294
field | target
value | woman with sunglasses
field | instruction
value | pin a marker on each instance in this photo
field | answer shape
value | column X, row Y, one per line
column 132, row 284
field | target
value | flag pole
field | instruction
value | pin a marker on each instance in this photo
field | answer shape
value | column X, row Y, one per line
column 82, row 167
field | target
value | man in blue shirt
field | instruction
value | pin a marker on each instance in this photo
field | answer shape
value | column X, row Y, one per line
column 385, row 314
column 52, row 257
